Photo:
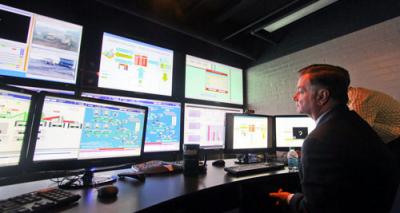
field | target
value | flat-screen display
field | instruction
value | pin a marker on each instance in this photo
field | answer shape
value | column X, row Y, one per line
column 291, row 130
column 163, row 121
column 205, row 125
column 15, row 114
column 38, row 47
column 130, row 65
column 248, row 131
column 212, row 81
column 87, row 129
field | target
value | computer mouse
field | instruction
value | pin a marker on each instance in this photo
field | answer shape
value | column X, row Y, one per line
column 109, row 191
column 218, row 163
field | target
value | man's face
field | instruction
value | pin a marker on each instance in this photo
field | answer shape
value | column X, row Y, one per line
column 305, row 96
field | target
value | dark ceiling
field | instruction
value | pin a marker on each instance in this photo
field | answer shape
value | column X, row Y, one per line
column 234, row 25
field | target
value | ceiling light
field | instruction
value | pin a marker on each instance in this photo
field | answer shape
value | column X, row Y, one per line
column 297, row 15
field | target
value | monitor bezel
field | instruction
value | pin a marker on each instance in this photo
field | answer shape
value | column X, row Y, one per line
column 71, row 164
column 281, row 148
column 20, row 168
column 105, row 91
column 229, row 135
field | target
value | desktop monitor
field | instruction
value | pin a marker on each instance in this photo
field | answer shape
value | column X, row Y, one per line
column 16, row 112
column 163, row 121
column 291, row 130
column 247, row 133
column 212, row 81
column 205, row 125
column 38, row 47
column 73, row 133
column 135, row 66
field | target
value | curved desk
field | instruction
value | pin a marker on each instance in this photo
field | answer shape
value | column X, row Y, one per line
column 215, row 191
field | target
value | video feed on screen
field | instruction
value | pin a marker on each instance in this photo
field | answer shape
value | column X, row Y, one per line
column 250, row 132
column 205, row 125
column 212, row 81
column 14, row 113
column 38, row 47
column 163, row 121
column 290, row 131
column 130, row 65
column 80, row 129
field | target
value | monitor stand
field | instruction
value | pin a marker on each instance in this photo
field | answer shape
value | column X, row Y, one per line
column 88, row 180
column 248, row 158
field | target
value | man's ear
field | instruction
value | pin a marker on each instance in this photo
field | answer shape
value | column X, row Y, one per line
column 323, row 96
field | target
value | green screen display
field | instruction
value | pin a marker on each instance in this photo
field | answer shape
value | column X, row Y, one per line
column 212, row 81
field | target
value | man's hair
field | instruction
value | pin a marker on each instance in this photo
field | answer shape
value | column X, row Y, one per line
column 335, row 79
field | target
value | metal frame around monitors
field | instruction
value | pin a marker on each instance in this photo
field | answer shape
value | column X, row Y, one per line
column 75, row 163
column 274, row 132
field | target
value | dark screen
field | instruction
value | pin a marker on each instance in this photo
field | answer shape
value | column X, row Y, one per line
column 13, row 26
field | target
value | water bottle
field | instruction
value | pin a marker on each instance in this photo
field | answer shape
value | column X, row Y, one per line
column 293, row 160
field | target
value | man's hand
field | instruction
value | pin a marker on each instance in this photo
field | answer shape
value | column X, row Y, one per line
column 281, row 196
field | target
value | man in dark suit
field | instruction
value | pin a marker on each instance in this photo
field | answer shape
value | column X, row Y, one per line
column 345, row 167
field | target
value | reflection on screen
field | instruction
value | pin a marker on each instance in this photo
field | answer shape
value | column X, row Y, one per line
column 14, row 109
column 76, row 129
column 38, row 47
column 291, row 131
column 131, row 65
column 205, row 125
column 250, row 132
column 163, row 121
column 208, row 80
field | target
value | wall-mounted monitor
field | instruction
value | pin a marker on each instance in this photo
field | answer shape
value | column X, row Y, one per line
column 163, row 121
column 248, row 132
column 205, row 125
column 212, row 81
column 135, row 66
column 37, row 47
column 291, row 130
column 16, row 112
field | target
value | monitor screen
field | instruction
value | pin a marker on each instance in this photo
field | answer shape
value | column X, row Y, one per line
column 205, row 125
column 38, row 47
column 248, row 132
column 163, row 122
column 291, row 130
column 212, row 81
column 130, row 65
column 15, row 119
column 82, row 129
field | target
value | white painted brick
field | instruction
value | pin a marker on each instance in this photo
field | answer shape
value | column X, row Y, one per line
column 372, row 56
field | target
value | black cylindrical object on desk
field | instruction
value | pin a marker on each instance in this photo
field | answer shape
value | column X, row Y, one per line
column 191, row 159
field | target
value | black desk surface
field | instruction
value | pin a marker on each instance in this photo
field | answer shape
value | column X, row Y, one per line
column 156, row 190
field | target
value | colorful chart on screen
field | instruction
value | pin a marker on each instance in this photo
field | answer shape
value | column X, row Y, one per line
column 135, row 66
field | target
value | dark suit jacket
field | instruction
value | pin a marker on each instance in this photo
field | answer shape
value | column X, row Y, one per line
column 345, row 167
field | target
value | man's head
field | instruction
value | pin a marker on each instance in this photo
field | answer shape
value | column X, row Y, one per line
column 320, row 87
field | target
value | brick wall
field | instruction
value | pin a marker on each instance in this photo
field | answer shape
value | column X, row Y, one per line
column 372, row 56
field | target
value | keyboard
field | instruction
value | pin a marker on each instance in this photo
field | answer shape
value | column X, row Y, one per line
column 248, row 169
column 38, row 201
column 157, row 167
